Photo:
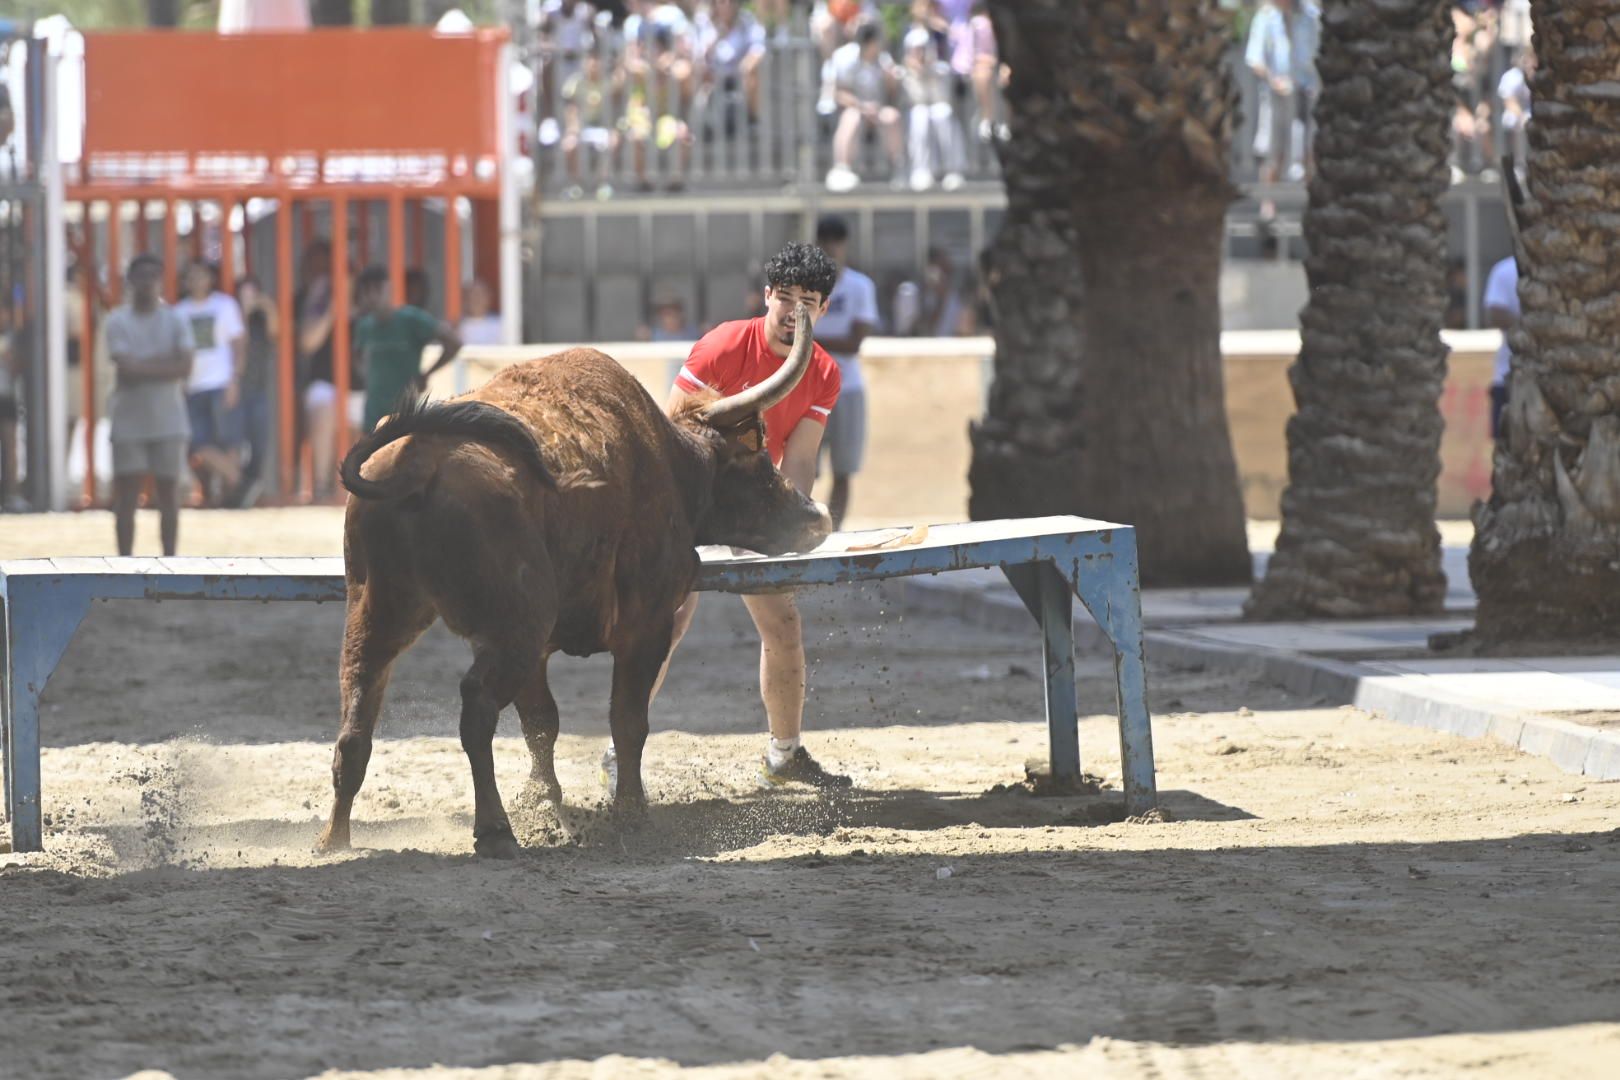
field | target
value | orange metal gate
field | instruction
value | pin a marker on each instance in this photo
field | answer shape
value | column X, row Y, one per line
column 341, row 117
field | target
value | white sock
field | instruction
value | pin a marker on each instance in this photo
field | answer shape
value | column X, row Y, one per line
column 779, row 751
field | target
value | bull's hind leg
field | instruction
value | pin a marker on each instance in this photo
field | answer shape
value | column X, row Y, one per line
column 635, row 669
column 487, row 688
column 379, row 627
column 537, row 709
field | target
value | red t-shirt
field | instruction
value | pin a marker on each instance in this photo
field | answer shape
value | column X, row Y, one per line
column 736, row 355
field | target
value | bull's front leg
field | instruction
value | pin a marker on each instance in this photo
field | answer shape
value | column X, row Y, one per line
column 635, row 670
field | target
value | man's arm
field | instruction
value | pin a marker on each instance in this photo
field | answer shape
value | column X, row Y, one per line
column 1501, row 318
column 799, row 458
column 677, row 400
column 449, row 344
column 849, row 344
column 175, row 364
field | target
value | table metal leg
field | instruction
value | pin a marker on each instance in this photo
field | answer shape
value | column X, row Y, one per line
column 1111, row 590
column 1050, row 598
column 41, row 618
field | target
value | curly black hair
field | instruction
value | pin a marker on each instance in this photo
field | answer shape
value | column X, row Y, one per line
column 804, row 266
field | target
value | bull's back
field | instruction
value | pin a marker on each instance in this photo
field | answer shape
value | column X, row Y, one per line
column 615, row 516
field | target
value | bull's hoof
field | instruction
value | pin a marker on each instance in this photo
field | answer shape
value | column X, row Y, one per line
column 330, row 842
column 537, row 793
column 496, row 844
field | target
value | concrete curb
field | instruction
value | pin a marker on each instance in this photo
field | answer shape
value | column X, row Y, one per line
column 1574, row 748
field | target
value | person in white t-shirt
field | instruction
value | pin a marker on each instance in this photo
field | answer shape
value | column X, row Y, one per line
column 213, row 393
column 852, row 314
column 1513, row 90
column 1502, row 312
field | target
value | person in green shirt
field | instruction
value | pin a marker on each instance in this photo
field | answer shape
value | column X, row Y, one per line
column 389, row 342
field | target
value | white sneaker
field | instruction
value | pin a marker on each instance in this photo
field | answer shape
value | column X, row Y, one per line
column 609, row 774
column 842, row 178
column 921, row 179
column 952, row 181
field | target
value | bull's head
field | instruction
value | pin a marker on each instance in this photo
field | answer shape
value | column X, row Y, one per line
column 753, row 505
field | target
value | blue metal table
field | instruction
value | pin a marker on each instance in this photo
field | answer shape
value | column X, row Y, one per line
column 1049, row 561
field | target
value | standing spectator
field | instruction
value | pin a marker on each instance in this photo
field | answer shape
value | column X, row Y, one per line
column 852, row 314
column 731, row 45
column 389, row 342
column 151, row 350
column 479, row 325
column 864, row 78
column 215, row 388
column 317, row 390
column 418, row 288
column 258, row 381
column 1502, row 312
column 1282, row 52
column 932, row 122
column 1513, row 90
column 588, row 111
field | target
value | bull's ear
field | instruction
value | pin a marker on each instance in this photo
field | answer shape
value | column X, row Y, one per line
column 752, row 437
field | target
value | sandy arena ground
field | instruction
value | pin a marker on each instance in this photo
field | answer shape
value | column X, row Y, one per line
column 1335, row 895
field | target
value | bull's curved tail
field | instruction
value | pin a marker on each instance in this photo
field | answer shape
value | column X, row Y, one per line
column 474, row 421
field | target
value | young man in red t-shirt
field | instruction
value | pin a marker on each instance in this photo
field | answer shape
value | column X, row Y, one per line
column 730, row 358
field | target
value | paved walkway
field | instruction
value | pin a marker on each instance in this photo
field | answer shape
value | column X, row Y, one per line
column 1566, row 708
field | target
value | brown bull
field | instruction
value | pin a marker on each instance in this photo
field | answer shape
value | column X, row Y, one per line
column 557, row 507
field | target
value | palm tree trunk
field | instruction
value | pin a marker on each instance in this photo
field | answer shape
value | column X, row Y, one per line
column 1546, row 556
column 1108, row 399
column 1358, row 533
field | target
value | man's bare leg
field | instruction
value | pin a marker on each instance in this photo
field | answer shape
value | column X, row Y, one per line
column 126, row 494
column 168, row 501
column 781, row 661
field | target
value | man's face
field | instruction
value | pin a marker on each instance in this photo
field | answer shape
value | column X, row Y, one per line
column 370, row 301
column 779, row 304
column 143, row 283
column 199, row 282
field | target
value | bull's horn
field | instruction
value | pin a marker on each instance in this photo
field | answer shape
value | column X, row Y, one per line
column 756, row 399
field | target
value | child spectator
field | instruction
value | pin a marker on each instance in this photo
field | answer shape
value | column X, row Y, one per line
column 215, row 389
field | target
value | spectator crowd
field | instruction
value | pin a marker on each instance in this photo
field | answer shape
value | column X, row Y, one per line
column 622, row 83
